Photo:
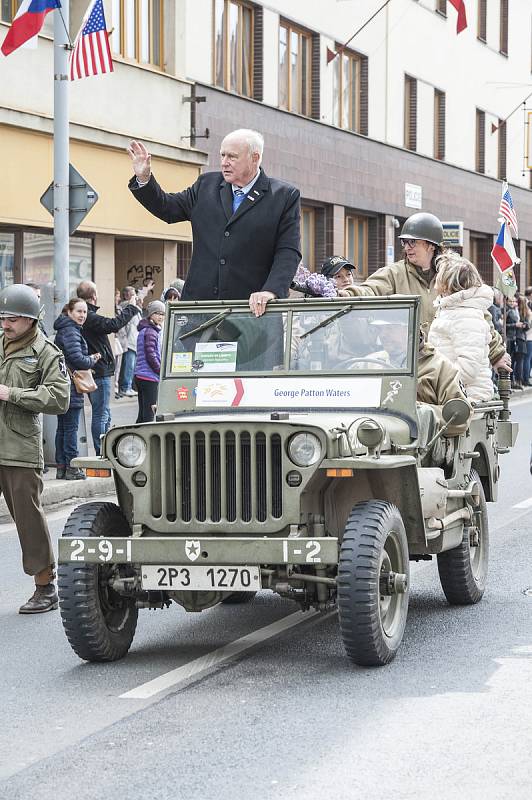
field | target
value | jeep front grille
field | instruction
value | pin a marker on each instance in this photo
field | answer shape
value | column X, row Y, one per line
column 216, row 476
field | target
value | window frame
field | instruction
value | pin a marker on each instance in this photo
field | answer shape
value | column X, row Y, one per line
column 502, row 152
column 503, row 28
column 304, row 93
column 482, row 21
column 122, row 34
column 355, row 118
column 410, row 113
column 226, row 53
column 308, row 212
column 357, row 220
column 439, row 124
column 14, row 8
column 480, row 141
column 441, row 8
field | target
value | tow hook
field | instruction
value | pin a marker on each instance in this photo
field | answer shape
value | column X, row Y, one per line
column 393, row 583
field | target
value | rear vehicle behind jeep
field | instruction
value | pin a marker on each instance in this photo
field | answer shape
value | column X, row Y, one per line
column 289, row 453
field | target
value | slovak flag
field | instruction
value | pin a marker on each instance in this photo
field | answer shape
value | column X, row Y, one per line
column 27, row 23
column 503, row 252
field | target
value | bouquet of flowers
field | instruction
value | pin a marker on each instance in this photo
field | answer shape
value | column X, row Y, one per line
column 313, row 284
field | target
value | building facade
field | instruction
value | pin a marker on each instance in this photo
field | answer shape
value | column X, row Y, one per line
column 403, row 116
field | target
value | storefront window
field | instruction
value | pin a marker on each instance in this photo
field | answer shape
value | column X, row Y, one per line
column 38, row 249
column 7, row 259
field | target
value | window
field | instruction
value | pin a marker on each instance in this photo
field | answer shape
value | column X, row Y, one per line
column 439, row 124
column 480, row 254
column 480, row 141
column 501, row 150
column 233, row 46
column 410, row 113
column 481, row 20
column 350, row 91
column 503, row 42
column 308, row 237
column 441, row 7
column 529, row 265
column 295, row 70
column 356, row 243
column 138, row 30
column 8, row 9
column 7, row 259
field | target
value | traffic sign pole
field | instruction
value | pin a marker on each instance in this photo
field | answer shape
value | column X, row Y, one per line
column 61, row 159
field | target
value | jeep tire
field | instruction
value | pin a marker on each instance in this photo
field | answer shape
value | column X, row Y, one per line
column 374, row 549
column 99, row 623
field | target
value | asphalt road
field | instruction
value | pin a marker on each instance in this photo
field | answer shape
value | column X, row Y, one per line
column 282, row 714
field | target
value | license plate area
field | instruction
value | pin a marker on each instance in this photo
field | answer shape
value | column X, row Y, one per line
column 204, row 578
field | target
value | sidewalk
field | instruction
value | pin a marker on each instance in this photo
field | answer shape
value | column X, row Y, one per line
column 56, row 492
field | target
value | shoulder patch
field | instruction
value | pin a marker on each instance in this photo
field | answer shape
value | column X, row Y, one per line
column 62, row 366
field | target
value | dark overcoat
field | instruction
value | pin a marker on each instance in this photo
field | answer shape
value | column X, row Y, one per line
column 255, row 249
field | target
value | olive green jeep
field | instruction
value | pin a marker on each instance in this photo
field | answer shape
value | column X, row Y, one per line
column 289, row 453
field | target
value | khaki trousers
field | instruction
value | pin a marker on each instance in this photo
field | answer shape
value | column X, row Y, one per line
column 22, row 488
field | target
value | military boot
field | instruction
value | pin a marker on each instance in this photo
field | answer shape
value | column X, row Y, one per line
column 74, row 474
column 44, row 598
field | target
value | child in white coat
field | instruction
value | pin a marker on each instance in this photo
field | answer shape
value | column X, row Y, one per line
column 460, row 330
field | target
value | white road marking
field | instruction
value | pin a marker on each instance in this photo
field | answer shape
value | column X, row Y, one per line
column 216, row 657
column 524, row 503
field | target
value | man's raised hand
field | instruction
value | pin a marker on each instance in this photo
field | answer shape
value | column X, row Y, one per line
column 141, row 161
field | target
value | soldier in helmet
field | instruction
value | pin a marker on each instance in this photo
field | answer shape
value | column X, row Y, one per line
column 33, row 380
column 415, row 274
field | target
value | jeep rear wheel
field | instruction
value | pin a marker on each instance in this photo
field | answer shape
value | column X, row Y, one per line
column 373, row 583
column 99, row 623
column 464, row 570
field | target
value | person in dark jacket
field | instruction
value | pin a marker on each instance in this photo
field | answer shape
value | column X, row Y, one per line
column 515, row 340
column 70, row 340
column 245, row 225
column 95, row 332
column 148, row 366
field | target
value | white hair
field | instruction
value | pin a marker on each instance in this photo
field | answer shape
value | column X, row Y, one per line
column 253, row 139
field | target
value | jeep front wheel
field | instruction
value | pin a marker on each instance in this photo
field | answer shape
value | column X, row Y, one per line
column 99, row 622
column 373, row 583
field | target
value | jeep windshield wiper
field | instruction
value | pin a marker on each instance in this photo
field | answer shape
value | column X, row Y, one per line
column 203, row 327
column 327, row 321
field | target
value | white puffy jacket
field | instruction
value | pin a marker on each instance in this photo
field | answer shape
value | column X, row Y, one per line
column 461, row 333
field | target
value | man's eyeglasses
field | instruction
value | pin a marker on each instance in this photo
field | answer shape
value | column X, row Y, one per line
column 409, row 242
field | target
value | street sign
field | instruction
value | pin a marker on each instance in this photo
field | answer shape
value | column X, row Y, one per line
column 82, row 197
column 413, row 195
column 453, row 234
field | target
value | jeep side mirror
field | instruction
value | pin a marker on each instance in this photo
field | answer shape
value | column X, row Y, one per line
column 456, row 411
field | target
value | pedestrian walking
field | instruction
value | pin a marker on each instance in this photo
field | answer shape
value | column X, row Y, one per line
column 245, row 225
column 69, row 339
column 33, row 380
column 96, row 330
column 148, row 368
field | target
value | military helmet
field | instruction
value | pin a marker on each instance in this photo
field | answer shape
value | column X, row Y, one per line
column 423, row 226
column 19, row 300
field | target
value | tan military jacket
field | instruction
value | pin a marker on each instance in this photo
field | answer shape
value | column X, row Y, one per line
column 39, row 384
column 399, row 278
column 438, row 380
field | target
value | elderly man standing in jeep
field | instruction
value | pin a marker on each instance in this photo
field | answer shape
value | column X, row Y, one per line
column 422, row 238
column 33, row 380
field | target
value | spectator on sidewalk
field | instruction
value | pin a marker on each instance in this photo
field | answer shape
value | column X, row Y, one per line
column 33, row 380
column 147, row 371
column 127, row 337
column 96, row 330
column 69, row 339
column 527, row 366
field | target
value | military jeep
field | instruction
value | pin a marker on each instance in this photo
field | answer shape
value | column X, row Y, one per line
column 288, row 453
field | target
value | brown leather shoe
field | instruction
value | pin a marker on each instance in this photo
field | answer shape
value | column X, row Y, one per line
column 44, row 598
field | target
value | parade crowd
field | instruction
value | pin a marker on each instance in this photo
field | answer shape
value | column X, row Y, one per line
column 246, row 233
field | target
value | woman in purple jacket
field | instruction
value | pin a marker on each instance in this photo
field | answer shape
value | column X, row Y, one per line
column 148, row 364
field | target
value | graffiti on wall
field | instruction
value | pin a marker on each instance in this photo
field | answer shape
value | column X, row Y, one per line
column 139, row 274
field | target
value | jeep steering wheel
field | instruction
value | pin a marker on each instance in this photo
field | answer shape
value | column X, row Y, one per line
column 348, row 362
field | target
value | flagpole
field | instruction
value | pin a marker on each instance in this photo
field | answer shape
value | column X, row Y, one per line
column 61, row 158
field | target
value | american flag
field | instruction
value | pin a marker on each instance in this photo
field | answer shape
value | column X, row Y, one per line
column 91, row 54
column 507, row 211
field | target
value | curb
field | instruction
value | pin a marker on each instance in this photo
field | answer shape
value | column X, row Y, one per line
column 56, row 493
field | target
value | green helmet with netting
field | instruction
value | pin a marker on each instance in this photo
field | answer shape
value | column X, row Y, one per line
column 19, row 300
column 423, row 226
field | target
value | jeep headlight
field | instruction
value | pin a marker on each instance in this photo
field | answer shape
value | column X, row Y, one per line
column 304, row 449
column 131, row 450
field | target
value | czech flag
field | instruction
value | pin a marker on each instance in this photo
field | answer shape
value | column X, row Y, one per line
column 27, row 23
column 503, row 252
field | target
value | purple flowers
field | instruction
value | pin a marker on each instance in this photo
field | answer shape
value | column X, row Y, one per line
column 313, row 283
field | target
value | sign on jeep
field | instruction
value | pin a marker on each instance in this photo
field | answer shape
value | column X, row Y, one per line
column 289, row 453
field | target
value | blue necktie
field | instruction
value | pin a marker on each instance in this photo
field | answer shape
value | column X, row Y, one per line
column 238, row 197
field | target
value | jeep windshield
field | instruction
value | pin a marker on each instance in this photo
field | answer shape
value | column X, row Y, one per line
column 332, row 339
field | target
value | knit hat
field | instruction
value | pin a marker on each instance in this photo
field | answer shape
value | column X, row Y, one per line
column 155, row 307
column 178, row 284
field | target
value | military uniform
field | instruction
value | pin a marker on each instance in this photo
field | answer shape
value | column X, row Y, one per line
column 33, row 369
